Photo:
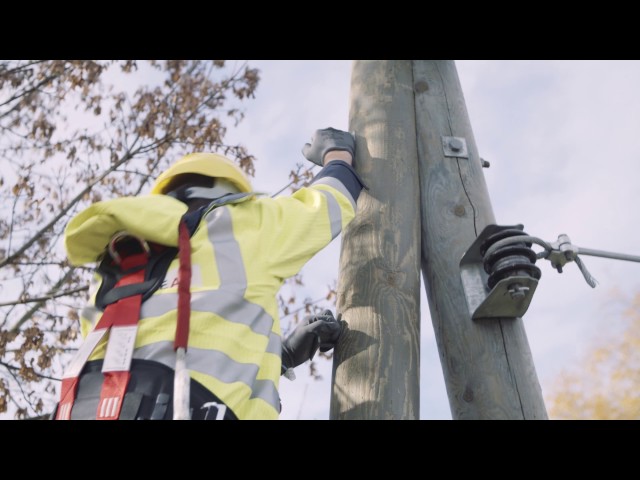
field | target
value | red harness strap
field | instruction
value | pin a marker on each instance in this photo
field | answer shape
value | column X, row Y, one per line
column 184, row 288
column 182, row 381
column 121, row 319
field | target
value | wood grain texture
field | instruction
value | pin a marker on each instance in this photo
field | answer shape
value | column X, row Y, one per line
column 487, row 365
column 376, row 364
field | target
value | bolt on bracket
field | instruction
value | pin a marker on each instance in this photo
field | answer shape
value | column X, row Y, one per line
column 455, row 147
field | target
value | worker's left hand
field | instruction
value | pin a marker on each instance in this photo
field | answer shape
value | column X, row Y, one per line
column 315, row 331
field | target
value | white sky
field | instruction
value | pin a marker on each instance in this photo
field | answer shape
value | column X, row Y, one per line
column 562, row 139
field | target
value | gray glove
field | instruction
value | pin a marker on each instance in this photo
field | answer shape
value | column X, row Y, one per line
column 315, row 331
column 326, row 140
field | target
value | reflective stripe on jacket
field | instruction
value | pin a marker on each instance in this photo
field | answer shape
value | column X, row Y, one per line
column 241, row 254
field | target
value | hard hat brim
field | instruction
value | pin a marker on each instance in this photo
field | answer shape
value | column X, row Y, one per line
column 208, row 164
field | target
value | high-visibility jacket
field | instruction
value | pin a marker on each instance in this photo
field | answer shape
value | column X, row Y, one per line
column 240, row 255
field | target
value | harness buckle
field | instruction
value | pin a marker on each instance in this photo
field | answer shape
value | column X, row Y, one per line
column 118, row 237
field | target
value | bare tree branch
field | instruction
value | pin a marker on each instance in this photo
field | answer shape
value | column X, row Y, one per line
column 23, row 93
column 295, row 179
column 27, row 316
column 64, row 211
column 304, row 307
column 46, row 297
column 17, row 369
column 21, row 67
column 11, row 369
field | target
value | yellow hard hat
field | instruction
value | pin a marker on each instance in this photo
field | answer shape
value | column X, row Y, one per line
column 208, row 164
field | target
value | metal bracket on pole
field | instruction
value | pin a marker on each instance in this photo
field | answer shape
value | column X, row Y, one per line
column 510, row 297
column 455, row 147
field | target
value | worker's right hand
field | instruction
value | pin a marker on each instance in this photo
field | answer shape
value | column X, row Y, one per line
column 315, row 331
column 327, row 140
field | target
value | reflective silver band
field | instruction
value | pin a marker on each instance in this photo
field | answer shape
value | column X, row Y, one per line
column 335, row 214
column 227, row 251
column 338, row 185
column 215, row 364
column 224, row 304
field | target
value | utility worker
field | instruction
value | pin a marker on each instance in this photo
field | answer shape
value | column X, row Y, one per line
column 186, row 288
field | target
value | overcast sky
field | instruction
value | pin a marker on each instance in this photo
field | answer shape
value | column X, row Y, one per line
column 562, row 139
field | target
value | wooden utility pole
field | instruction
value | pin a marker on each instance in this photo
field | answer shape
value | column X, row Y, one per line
column 487, row 364
column 377, row 362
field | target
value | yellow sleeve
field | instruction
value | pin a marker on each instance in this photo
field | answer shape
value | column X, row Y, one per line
column 303, row 224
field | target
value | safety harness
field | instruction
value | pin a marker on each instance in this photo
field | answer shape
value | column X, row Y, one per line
column 137, row 279
column 132, row 270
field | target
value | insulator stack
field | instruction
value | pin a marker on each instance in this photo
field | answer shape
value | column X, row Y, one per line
column 515, row 259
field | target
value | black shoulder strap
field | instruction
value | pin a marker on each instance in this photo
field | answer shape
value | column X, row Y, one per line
column 156, row 269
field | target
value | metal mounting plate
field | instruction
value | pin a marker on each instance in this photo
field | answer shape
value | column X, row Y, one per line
column 455, row 147
column 498, row 302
